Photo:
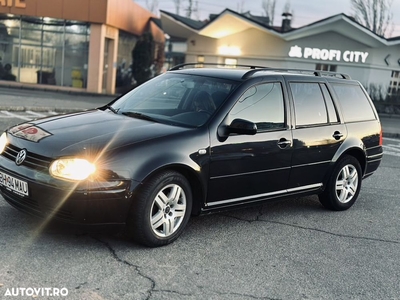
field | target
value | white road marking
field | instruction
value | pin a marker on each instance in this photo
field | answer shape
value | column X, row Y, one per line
column 392, row 148
column 35, row 114
column 25, row 115
column 392, row 140
column 12, row 115
column 391, row 153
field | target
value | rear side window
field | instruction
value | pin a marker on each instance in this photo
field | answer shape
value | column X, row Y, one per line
column 309, row 104
column 354, row 103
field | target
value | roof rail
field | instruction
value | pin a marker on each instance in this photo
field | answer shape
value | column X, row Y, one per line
column 312, row 72
column 201, row 65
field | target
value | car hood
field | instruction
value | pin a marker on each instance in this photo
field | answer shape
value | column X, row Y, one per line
column 95, row 129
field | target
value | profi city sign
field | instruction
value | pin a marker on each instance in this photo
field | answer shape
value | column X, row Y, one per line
column 328, row 54
column 13, row 3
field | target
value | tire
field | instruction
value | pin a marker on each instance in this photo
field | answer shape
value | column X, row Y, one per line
column 161, row 209
column 343, row 185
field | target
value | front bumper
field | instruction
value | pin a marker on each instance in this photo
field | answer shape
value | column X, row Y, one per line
column 85, row 203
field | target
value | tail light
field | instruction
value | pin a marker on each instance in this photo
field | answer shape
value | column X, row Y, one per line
column 381, row 137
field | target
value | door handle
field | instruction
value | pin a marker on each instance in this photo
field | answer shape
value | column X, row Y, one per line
column 283, row 143
column 337, row 135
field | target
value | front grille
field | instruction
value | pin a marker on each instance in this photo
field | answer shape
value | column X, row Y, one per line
column 32, row 160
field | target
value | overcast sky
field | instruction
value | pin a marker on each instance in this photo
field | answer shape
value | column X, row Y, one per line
column 304, row 11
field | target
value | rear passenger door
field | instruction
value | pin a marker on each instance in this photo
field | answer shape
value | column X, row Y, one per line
column 317, row 133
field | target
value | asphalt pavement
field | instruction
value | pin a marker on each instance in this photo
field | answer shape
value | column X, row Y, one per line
column 22, row 99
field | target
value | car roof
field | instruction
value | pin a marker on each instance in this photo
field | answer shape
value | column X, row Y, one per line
column 242, row 73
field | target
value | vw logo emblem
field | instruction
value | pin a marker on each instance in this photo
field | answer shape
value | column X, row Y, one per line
column 20, row 157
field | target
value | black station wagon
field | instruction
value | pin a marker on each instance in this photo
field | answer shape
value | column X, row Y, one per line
column 192, row 141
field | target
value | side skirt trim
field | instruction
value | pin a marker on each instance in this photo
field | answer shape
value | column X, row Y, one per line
column 282, row 192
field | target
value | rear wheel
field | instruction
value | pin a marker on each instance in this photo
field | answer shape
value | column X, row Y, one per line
column 161, row 209
column 343, row 186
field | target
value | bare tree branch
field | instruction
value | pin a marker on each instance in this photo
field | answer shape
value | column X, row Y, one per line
column 177, row 6
column 376, row 15
column 189, row 9
column 152, row 6
column 269, row 9
column 240, row 6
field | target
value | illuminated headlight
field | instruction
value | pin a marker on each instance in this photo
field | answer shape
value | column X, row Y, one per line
column 3, row 142
column 72, row 168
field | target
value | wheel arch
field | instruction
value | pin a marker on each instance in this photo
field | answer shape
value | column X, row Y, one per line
column 360, row 155
column 353, row 147
column 197, row 186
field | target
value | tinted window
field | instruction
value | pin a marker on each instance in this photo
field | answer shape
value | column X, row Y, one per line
column 309, row 104
column 263, row 105
column 354, row 103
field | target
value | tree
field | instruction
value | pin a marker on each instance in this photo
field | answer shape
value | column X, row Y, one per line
column 269, row 9
column 177, row 6
column 143, row 58
column 287, row 8
column 189, row 10
column 240, row 6
column 152, row 6
column 376, row 15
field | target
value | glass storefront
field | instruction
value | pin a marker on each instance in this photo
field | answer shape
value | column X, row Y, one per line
column 44, row 50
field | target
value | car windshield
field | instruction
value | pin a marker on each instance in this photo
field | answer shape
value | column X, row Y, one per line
column 177, row 99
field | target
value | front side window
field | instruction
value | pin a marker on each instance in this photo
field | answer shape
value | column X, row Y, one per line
column 263, row 105
column 309, row 104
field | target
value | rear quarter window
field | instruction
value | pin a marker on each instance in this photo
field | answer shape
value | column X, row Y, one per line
column 354, row 103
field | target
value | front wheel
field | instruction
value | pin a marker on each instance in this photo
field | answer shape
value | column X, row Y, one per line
column 343, row 186
column 161, row 209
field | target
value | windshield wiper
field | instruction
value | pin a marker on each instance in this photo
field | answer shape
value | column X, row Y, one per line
column 139, row 116
column 115, row 111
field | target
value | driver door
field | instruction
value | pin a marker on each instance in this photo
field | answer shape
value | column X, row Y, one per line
column 245, row 168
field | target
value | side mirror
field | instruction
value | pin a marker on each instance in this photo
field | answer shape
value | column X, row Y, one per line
column 240, row 126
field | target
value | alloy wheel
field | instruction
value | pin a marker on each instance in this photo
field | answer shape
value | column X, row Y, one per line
column 168, row 210
column 346, row 183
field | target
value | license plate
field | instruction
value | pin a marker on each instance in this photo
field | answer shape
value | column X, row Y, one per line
column 13, row 184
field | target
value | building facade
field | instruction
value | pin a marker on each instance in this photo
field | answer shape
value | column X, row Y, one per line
column 74, row 44
column 337, row 44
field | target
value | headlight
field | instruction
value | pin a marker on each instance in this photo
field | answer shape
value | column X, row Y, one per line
column 72, row 168
column 3, row 142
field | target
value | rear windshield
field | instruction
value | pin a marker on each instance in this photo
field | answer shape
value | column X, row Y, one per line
column 355, row 104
